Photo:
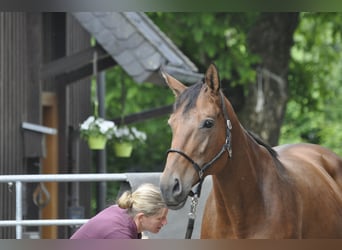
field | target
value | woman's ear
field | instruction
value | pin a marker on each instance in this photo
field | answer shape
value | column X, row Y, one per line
column 139, row 216
column 138, row 219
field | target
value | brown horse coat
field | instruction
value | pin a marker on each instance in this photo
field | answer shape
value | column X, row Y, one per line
column 290, row 191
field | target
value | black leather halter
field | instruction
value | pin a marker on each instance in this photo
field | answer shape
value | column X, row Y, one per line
column 226, row 147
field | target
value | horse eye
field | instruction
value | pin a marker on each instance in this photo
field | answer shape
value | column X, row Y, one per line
column 208, row 123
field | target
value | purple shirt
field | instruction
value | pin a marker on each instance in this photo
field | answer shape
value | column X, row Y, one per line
column 111, row 223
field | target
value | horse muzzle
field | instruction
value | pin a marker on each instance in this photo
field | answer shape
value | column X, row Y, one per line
column 173, row 191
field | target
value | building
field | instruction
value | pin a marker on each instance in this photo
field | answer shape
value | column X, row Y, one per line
column 46, row 64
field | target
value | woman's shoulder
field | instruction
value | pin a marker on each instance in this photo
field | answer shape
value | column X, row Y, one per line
column 113, row 211
column 115, row 208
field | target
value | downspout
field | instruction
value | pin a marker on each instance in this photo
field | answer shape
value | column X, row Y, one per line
column 101, row 187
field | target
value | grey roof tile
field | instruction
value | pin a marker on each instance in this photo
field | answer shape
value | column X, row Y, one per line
column 125, row 57
column 135, row 68
column 152, row 62
column 134, row 42
column 137, row 44
column 144, row 50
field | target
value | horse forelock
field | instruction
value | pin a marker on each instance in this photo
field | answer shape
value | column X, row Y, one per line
column 188, row 98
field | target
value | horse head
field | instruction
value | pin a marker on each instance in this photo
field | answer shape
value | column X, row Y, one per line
column 200, row 136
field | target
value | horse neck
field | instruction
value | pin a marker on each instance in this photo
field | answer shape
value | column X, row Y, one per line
column 238, row 183
column 249, row 159
column 245, row 165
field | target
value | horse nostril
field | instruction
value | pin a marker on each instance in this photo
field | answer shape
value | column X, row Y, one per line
column 176, row 188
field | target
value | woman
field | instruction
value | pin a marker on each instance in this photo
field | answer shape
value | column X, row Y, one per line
column 135, row 212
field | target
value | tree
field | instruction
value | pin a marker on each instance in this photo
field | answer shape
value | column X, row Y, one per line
column 271, row 38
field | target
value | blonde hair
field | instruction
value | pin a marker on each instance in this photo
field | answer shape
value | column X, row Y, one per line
column 145, row 199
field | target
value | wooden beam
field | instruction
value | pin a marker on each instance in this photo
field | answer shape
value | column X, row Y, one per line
column 77, row 66
column 144, row 115
column 71, row 63
column 85, row 71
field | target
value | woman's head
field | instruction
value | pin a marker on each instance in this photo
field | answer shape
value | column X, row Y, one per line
column 146, row 206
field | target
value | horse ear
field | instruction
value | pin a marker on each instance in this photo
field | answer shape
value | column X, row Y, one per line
column 176, row 86
column 212, row 78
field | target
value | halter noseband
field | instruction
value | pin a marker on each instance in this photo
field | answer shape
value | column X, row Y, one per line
column 226, row 147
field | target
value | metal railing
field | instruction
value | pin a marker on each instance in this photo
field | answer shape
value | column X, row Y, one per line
column 19, row 179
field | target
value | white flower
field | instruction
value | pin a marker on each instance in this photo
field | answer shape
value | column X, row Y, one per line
column 105, row 126
column 97, row 126
column 127, row 134
column 139, row 134
column 85, row 125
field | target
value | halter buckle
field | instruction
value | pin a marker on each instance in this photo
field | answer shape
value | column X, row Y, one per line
column 200, row 173
column 230, row 152
column 229, row 125
column 194, row 202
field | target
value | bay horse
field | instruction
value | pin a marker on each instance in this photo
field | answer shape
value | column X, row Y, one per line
column 289, row 191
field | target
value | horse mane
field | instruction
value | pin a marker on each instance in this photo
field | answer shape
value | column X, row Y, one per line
column 272, row 152
column 264, row 144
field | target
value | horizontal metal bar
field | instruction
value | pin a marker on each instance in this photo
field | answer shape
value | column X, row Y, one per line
column 63, row 177
column 59, row 222
column 39, row 128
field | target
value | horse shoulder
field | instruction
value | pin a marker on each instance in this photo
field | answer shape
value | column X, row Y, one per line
column 214, row 226
column 207, row 224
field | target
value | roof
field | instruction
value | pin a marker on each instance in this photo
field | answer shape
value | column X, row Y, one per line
column 138, row 45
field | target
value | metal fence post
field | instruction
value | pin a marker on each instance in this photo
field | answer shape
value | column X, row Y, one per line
column 19, row 207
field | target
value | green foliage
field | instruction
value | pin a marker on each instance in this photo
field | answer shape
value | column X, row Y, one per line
column 314, row 110
column 314, row 57
column 213, row 37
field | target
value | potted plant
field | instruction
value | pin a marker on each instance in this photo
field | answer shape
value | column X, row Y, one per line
column 125, row 138
column 97, row 131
